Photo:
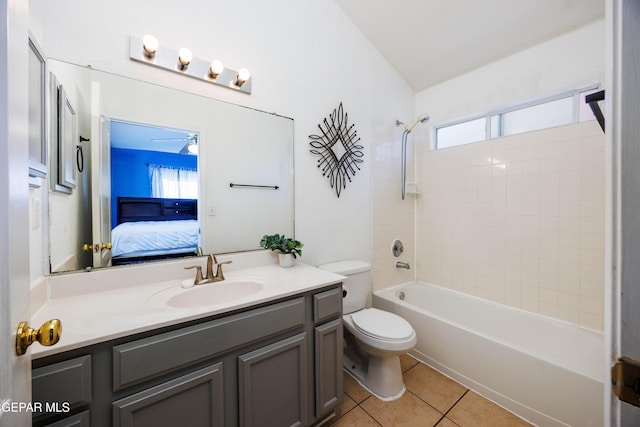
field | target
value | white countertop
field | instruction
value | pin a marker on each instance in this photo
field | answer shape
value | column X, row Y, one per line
column 92, row 311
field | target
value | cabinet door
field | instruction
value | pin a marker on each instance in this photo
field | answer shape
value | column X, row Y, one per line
column 195, row 399
column 79, row 420
column 328, row 369
column 273, row 384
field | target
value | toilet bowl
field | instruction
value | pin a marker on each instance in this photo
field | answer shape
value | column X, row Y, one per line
column 380, row 338
column 374, row 338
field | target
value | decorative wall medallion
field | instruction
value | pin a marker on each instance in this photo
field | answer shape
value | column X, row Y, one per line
column 337, row 146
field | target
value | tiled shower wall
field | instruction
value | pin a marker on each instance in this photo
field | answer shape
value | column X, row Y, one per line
column 393, row 218
column 518, row 220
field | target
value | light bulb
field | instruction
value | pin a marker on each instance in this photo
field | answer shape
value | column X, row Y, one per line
column 216, row 68
column 184, row 57
column 150, row 45
column 243, row 76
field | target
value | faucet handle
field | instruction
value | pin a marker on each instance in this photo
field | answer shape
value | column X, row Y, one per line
column 199, row 277
column 219, row 274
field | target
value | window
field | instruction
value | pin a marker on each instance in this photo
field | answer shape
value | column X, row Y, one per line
column 173, row 183
column 462, row 133
column 560, row 110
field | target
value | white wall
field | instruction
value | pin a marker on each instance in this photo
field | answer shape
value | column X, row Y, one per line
column 305, row 58
column 571, row 60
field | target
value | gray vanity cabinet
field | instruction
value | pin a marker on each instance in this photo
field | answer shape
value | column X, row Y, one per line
column 276, row 364
column 273, row 384
column 197, row 397
column 328, row 348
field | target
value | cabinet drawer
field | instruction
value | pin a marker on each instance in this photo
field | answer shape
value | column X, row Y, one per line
column 178, row 204
column 327, row 305
column 195, row 399
column 176, row 211
column 68, row 381
column 79, row 420
column 151, row 357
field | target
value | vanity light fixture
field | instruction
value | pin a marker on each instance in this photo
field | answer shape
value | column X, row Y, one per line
column 184, row 58
column 216, row 69
column 149, row 45
column 148, row 51
column 242, row 77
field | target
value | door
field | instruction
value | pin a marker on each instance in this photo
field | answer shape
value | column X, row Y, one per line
column 100, row 180
column 195, row 399
column 623, row 89
column 15, row 371
column 328, row 367
column 272, row 384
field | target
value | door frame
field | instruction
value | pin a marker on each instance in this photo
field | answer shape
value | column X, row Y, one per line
column 623, row 155
column 15, row 371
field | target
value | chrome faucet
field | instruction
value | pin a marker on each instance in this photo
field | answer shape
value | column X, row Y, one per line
column 210, row 277
column 405, row 265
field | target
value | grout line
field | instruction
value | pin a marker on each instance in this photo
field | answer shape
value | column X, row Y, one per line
column 443, row 416
column 452, row 406
column 372, row 417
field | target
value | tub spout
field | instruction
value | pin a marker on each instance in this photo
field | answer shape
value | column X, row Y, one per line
column 405, row 265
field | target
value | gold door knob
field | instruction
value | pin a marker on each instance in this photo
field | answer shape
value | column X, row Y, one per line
column 87, row 247
column 48, row 334
column 104, row 246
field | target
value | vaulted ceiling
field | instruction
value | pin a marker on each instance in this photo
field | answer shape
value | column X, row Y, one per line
column 430, row 41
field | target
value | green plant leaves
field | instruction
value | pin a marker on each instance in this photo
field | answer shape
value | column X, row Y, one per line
column 282, row 244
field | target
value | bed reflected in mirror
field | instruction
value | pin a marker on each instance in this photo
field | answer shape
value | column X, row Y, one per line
column 154, row 192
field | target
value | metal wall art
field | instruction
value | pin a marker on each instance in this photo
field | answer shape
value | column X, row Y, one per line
column 337, row 146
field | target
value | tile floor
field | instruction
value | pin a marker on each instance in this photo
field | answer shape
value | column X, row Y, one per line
column 431, row 399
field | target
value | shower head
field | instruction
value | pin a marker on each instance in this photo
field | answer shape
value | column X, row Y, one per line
column 422, row 119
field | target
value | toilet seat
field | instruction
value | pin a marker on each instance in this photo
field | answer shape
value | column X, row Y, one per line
column 382, row 325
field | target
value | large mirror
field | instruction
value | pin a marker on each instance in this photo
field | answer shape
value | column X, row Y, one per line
column 234, row 164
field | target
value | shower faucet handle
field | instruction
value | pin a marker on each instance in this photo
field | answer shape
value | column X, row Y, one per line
column 397, row 248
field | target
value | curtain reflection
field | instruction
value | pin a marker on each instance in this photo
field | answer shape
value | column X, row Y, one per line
column 173, row 182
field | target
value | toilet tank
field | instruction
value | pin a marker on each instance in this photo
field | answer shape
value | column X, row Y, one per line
column 357, row 286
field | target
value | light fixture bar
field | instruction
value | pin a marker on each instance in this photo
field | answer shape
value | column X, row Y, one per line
column 167, row 59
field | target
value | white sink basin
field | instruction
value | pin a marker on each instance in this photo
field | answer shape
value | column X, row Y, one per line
column 214, row 293
column 208, row 294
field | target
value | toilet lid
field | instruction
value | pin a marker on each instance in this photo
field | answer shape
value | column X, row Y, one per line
column 382, row 324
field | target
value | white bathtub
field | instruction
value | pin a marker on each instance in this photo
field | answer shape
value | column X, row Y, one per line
column 546, row 371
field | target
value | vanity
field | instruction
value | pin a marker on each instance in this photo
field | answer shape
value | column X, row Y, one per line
column 148, row 354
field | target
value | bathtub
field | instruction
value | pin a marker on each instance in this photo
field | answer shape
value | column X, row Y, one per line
column 546, row 371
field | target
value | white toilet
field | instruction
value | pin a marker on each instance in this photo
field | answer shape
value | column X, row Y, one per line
column 374, row 338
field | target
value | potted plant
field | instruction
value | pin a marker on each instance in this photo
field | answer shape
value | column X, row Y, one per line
column 287, row 248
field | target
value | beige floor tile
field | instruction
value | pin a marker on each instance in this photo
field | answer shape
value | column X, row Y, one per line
column 346, row 405
column 432, row 387
column 475, row 411
column 408, row 411
column 357, row 417
column 446, row 422
column 353, row 389
column 407, row 362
